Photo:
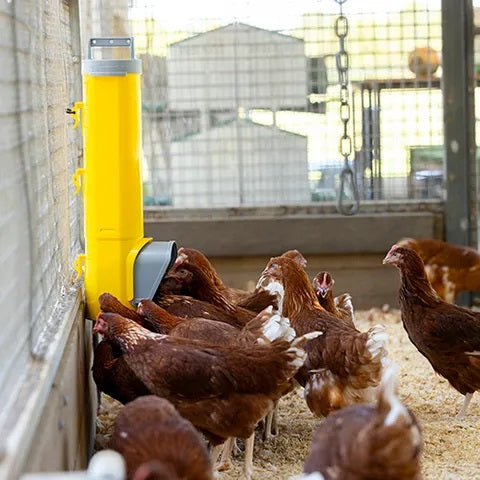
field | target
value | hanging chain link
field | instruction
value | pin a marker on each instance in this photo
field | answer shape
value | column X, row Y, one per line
column 346, row 144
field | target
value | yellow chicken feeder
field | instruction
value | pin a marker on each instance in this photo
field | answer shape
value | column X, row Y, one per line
column 118, row 259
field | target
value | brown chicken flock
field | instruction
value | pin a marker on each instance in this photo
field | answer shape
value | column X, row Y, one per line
column 202, row 364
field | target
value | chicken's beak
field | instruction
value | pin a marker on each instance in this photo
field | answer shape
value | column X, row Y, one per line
column 181, row 257
column 387, row 259
column 321, row 291
column 100, row 324
column 263, row 281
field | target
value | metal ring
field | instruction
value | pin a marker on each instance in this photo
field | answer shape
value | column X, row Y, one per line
column 343, row 62
column 345, row 146
column 344, row 111
column 341, row 26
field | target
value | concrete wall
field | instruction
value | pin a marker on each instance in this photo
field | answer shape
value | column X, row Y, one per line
column 362, row 275
column 240, row 242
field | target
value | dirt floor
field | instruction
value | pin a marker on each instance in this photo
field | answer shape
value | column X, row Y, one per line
column 452, row 448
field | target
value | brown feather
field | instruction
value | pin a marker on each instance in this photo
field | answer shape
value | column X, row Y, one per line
column 327, row 301
column 357, row 443
column 442, row 332
column 204, row 283
column 342, row 350
column 223, row 390
column 151, row 435
column 451, row 269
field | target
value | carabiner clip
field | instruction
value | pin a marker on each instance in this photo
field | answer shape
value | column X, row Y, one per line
column 348, row 174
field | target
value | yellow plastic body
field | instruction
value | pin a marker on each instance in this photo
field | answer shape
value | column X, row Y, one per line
column 111, row 185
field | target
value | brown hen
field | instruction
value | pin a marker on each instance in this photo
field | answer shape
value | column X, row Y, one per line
column 189, row 307
column 447, row 335
column 111, row 304
column 204, row 329
column 341, row 306
column 451, row 269
column 344, row 365
column 210, row 331
column 199, row 278
column 296, row 256
column 223, row 390
column 157, row 443
column 113, row 376
column 367, row 442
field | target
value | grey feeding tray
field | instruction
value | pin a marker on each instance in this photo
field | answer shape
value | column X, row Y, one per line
column 151, row 264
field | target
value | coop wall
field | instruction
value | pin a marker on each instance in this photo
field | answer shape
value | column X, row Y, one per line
column 40, row 220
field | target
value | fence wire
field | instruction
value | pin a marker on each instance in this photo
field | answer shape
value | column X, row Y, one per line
column 40, row 230
column 241, row 104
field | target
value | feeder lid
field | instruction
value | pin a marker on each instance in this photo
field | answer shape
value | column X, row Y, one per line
column 111, row 67
column 151, row 264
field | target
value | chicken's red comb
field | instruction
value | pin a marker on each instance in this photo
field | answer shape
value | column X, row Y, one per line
column 324, row 276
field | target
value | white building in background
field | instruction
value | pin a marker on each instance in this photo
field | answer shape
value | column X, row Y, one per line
column 240, row 163
column 238, row 66
column 217, row 157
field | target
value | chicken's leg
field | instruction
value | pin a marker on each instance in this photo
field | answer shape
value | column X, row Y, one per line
column 267, row 426
column 225, row 462
column 466, row 401
column 249, row 443
column 275, row 421
column 270, row 424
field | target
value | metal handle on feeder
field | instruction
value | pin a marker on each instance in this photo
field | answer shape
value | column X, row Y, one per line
column 111, row 42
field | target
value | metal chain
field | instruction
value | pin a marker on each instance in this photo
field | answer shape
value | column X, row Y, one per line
column 345, row 146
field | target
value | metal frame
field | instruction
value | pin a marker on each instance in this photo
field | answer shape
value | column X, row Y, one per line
column 459, row 122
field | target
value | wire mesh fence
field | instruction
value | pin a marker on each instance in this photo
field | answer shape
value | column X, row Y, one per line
column 241, row 104
column 40, row 220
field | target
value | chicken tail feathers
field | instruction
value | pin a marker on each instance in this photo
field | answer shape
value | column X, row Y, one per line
column 278, row 328
column 401, row 431
column 344, row 304
column 389, row 405
column 301, row 341
column 269, row 327
column 297, row 347
column 377, row 342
